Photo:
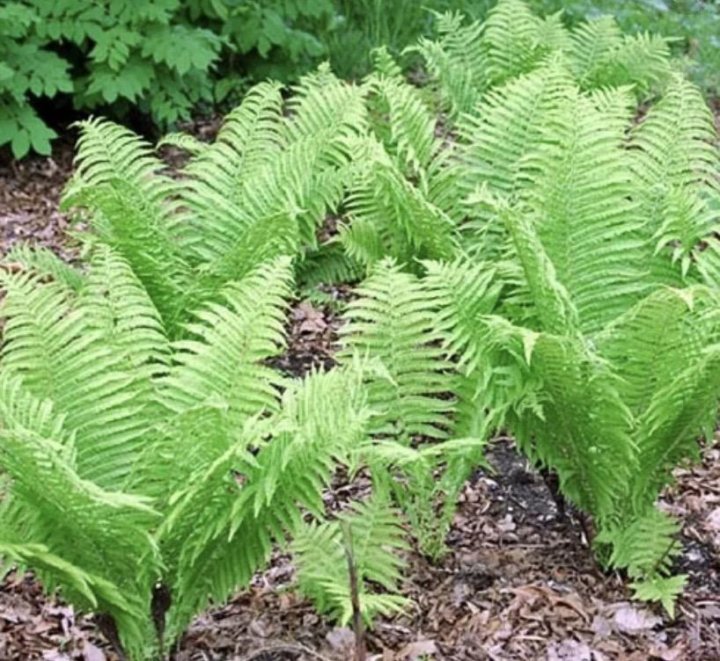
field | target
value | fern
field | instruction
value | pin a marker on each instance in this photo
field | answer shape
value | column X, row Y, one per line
column 392, row 322
column 119, row 182
column 389, row 216
column 457, row 61
column 369, row 536
column 45, row 263
column 403, row 123
column 115, row 434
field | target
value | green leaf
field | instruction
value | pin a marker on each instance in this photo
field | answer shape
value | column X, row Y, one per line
column 664, row 590
column 20, row 143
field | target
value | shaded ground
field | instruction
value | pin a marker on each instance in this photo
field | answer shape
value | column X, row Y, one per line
column 518, row 582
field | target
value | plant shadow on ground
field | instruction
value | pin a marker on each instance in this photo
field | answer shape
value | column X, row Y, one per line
column 518, row 581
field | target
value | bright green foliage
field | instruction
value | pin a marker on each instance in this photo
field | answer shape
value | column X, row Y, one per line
column 397, row 321
column 370, row 537
column 528, row 259
column 176, row 464
column 601, row 233
column 692, row 25
column 390, row 202
column 591, row 238
column 466, row 61
column 392, row 321
column 260, row 191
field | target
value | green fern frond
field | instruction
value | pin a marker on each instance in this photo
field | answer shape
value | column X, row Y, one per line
column 256, row 499
column 250, row 139
column 515, row 40
column 393, row 217
column 457, row 62
column 52, row 505
column 49, row 345
column 508, row 125
column 583, row 429
column 679, row 412
column 555, row 309
column 329, row 265
column 393, row 322
column 641, row 60
column 324, row 105
column 119, row 308
column 646, row 547
column 184, row 141
column 130, row 206
column 675, row 163
column 402, row 121
column 44, row 263
column 579, row 191
column 463, row 293
column 222, row 359
column 107, row 152
column 370, row 534
column 665, row 589
column 384, row 63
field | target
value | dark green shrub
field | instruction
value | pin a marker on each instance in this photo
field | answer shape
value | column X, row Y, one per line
column 160, row 56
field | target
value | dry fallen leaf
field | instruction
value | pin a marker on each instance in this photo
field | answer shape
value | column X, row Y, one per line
column 341, row 638
column 92, row 653
column 569, row 650
column 632, row 620
column 417, row 650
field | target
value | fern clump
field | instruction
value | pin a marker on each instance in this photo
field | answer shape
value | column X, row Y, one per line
column 524, row 259
column 178, row 464
column 600, row 229
column 580, row 242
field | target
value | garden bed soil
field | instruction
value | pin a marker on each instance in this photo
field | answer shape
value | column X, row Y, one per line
column 518, row 582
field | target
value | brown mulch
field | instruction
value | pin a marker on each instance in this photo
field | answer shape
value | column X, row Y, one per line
column 518, row 582
column 29, row 197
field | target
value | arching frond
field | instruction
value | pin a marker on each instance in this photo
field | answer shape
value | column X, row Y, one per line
column 402, row 121
column 222, row 360
column 250, row 139
column 45, row 263
column 102, row 390
column 676, row 163
column 515, row 40
column 464, row 292
column 593, row 42
column 641, row 60
column 578, row 189
column 249, row 501
column 370, row 536
column 584, row 431
column 119, row 308
column 330, row 264
column 509, row 123
column 457, row 62
column 52, row 506
column 133, row 223
column 390, row 216
column 393, row 321
column 108, row 152
column 184, row 141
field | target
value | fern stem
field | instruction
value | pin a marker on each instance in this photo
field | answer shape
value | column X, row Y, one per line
column 358, row 628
